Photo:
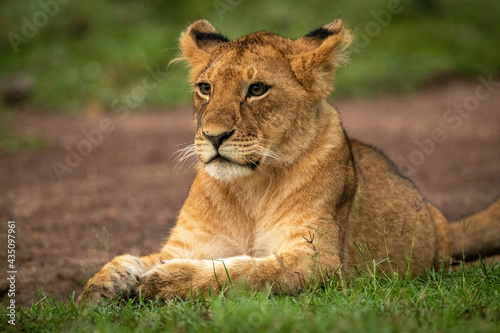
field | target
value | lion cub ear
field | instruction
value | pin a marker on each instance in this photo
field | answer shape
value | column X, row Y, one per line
column 318, row 54
column 198, row 42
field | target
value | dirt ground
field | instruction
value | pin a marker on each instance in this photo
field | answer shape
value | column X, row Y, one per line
column 123, row 197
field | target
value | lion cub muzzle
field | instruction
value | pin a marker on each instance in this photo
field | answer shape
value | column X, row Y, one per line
column 227, row 155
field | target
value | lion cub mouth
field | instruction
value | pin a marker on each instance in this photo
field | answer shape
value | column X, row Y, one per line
column 226, row 169
column 228, row 161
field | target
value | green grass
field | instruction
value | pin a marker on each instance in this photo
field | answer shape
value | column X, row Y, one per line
column 466, row 300
column 93, row 54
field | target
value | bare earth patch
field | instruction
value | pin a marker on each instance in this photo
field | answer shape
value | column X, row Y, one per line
column 124, row 196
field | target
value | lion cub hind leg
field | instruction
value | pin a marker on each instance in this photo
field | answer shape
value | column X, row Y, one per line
column 477, row 235
column 117, row 278
column 443, row 236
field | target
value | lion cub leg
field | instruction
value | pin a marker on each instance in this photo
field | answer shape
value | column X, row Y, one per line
column 283, row 272
column 118, row 278
column 443, row 236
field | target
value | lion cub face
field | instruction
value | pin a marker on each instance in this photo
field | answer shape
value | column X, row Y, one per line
column 255, row 97
column 243, row 110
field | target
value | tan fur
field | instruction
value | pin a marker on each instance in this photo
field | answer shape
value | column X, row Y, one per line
column 477, row 235
column 286, row 199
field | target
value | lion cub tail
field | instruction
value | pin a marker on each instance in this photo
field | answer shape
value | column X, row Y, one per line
column 477, row 235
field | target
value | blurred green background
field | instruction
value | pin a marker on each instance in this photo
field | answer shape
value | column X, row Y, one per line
column 77, row 55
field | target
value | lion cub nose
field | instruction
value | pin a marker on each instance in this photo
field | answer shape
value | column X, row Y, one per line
column 217, row 139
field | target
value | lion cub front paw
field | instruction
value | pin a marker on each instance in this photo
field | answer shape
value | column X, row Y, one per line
column 118, row 278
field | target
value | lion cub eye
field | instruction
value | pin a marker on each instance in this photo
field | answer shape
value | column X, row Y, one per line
column 205, row 88
column 257, row 89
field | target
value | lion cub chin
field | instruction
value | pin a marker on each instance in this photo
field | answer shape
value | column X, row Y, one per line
column 314, row 204
column 225, row 170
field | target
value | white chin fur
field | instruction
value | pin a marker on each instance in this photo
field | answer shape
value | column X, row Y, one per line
column 226, row 171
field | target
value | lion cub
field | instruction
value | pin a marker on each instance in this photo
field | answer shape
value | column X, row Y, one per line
column 283, row 197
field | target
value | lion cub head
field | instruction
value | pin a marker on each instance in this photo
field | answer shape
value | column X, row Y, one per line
column 256, row 98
